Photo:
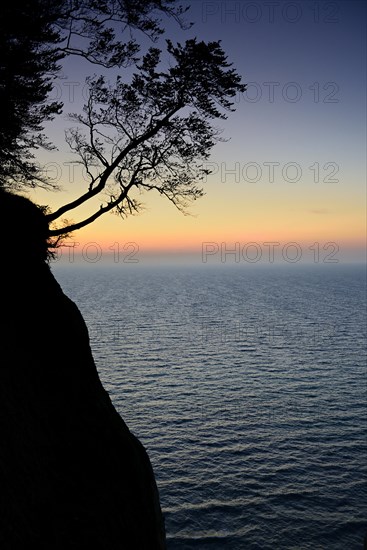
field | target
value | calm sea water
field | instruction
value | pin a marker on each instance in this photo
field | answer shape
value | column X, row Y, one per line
column 248, row 389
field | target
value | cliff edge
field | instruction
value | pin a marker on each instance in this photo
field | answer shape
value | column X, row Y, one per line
column 71, row 473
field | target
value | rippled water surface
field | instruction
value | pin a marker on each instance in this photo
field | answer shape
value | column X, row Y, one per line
column 248, row 389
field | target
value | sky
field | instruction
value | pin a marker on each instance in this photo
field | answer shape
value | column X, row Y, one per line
column 289, row 183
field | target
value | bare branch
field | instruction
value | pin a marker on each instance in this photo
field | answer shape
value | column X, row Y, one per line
column 113, row 203
column 103, row 178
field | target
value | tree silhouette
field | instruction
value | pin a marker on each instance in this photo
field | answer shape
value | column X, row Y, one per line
column 34, row 37
column 28, row 61
column 152, row 132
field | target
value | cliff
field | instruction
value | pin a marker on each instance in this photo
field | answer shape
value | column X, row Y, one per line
column 71, row 473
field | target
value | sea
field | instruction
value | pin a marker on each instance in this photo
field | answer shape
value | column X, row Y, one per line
column 247, row 385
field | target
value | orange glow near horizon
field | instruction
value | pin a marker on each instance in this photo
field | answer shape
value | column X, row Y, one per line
column 163, row 228
column 231, row 213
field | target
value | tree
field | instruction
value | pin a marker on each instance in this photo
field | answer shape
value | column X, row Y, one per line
column 27, row 66
column 150, row 133
column 34, row 38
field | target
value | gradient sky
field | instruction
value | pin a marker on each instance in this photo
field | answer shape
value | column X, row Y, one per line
column 294, row 168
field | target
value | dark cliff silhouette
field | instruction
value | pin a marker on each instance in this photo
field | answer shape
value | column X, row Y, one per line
column 71, row 473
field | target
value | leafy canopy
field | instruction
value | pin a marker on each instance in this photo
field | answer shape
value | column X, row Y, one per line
column 149, row 132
